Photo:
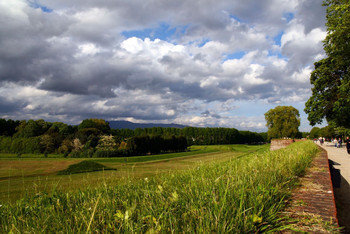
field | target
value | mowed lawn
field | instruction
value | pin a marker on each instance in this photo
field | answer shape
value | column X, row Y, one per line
column 30, row 174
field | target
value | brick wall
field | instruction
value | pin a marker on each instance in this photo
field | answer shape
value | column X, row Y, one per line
column 280, row 143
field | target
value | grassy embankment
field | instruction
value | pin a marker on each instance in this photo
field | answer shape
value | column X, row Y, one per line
column 240, row 195
column 21, row 177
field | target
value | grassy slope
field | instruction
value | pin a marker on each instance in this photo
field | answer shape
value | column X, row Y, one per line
column 25, row 176
column 32, row 165
column 242, row 195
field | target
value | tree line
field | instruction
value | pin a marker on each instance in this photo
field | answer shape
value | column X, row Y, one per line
column 95, row 138
column 329, row 132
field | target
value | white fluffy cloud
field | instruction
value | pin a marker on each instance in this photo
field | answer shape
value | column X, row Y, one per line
column 67, row 61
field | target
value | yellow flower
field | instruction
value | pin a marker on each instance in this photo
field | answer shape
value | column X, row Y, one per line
column 175, row 196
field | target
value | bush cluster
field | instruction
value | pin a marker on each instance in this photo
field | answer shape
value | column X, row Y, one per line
column 95, row 138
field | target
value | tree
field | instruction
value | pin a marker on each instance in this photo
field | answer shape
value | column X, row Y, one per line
column 77, row 146
column 330, row 98
column 8, row 127
column 315, row 132
column 99, row 124
column 327, row 132
column 66, row 146
column 48, row 143
column 282, row 121
column 107, row 142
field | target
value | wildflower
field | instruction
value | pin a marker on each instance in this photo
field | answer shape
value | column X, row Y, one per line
column 146, row 179
column 174, row 196
column 119, row 214
column 126, row 216
column 160, row 188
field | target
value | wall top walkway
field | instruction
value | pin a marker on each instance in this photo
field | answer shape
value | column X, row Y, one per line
column 341, row 160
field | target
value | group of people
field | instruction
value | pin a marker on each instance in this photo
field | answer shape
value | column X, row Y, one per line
column 338, row 142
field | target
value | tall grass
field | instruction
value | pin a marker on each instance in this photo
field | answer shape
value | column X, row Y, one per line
column 242, row 195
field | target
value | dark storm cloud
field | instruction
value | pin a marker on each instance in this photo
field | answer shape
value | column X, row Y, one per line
column 9, row 107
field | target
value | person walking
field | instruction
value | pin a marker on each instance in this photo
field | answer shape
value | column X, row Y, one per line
column 347, row 142
column 335, row 142
column 340, row 142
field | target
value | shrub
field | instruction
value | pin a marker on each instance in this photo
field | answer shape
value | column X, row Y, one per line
column 75, row 154
column 106, row 153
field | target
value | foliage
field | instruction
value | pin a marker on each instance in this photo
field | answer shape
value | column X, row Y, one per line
column 106, row 142
column 341, row 132
column 32, row 128
column 84, row 166
column 315, row 133
column 8, row 127
column 66, row 146
column 331, row 79
column 77, row 146
column 110, row 153
column 239, row 196
column 20, row 145
column 90, row 136
column 282, row 121
column 99, row 124
column 86, row 134
column 328, row 132
column 142, row 145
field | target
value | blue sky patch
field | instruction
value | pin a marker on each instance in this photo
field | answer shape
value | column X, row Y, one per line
column 203, row 42
column 36, row 5
column 236, row 55
column 235, row 18
column 164, row 32
column 277, row 38
column 288, row 16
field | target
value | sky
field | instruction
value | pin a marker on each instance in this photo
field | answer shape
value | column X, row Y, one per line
column 203, row 63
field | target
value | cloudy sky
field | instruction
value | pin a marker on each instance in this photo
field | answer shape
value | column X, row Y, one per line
column 194, row 62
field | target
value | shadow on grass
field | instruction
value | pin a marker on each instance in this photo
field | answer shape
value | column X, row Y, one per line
column 84, row 166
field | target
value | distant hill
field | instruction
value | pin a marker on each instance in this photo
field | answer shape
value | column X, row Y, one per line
column 121, row 124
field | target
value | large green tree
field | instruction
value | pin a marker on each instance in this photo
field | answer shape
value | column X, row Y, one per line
column 282, row 121
column 99, row 124
column 330, row 98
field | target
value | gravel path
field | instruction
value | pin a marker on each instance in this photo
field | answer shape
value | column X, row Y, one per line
column 341, row 159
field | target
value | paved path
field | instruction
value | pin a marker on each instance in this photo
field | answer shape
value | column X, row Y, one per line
column 342, row 195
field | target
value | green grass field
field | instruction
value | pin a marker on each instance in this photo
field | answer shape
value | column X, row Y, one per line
column 28, row 175
column 223, row 192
